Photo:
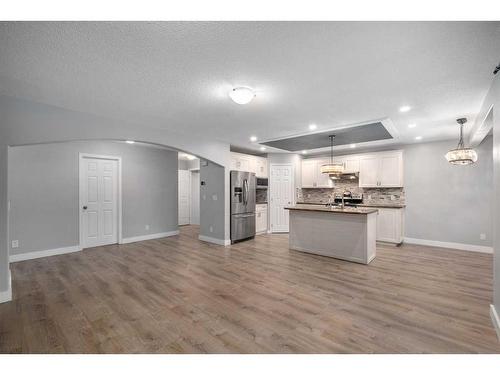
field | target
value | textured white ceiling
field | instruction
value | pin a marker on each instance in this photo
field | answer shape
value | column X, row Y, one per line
column 176, row 75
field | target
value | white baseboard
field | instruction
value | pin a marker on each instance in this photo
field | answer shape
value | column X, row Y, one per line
column 6, row 295
column 43, row 253
column 214, row 240
column 450, row 245
column 495, row 319
column 146, row 237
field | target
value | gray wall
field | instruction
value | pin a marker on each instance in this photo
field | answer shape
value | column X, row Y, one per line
column 44, row 188
column 493, row 98
column 26, row 122
column 445, row 202
column 212, row 213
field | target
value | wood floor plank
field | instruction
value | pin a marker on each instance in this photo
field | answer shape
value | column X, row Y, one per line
column 180, row 295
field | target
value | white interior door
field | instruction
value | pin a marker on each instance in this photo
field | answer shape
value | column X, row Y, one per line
column 195, row 198
column 184, row 196
column 99, row 201
column 281, row 195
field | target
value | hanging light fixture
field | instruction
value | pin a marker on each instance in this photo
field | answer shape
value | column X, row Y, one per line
column 461, row 155
column 333, row 169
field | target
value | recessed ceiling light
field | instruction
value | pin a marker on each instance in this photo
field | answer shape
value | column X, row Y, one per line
column 313, row 126
column 411, row 126
column 262, row 148
column 404, row 108
column 353, row 145
column 304, row 152
column 418, row 138
column 242, row 95
column 130, row 142
column 253, row 138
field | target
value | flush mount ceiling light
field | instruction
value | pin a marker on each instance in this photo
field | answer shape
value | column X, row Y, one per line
column 461, row 155
column 242, row 95
column 332, row 169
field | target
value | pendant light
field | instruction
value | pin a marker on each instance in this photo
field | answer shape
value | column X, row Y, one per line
column 461, row 155
column 332, row 169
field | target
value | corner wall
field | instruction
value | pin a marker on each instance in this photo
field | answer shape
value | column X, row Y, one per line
column 44, row 192
column 26, row 122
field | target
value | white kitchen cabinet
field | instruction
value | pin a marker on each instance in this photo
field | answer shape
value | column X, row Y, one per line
column 390, row 225
column 249, row 163
column 308, row 173
column 261, row 218
column 312, row 176
column 381, row 169
column 260, row 165
column 350, row 162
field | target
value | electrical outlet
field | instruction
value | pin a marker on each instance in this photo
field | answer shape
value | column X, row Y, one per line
column 147, row 226
column 15, row 244
column 482, row 236
column 393, row 198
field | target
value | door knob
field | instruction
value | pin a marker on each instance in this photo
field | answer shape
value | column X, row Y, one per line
column 84, row 207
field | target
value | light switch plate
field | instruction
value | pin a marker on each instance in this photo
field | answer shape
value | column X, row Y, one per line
column 15, row 244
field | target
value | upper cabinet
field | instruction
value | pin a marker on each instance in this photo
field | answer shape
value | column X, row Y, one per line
column 378, row 169
column 381, row 169
column 249, row 163
column 312, row 176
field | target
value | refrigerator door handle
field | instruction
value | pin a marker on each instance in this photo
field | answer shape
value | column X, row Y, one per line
column 245, row 191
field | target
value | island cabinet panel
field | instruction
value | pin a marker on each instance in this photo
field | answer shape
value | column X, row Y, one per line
column 344, row 236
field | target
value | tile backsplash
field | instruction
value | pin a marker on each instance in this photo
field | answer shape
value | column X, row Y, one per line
column 370, row 195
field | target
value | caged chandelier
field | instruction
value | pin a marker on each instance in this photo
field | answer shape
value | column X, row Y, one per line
column 461, row 155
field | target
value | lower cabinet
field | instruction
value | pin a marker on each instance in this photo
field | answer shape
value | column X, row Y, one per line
column 261, row 218
column 390, row 225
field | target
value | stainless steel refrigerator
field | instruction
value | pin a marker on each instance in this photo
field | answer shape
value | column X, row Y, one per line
column 242, row 205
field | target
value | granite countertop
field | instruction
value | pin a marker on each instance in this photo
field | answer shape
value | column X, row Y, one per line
column 380, row 205
column 323, row 208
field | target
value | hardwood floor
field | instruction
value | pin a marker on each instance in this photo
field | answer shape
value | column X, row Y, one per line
column 179, row 295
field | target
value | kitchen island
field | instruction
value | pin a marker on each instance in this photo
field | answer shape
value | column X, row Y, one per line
column 345, row 233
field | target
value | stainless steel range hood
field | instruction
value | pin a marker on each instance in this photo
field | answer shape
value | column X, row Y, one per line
column 346, row 176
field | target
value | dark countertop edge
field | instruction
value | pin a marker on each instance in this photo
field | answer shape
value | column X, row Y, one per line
column 379, row 205
column 334, row 211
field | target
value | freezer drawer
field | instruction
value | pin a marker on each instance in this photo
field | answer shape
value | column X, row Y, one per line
column 242, row 226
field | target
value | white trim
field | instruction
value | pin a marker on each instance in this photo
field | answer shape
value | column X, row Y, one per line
column 43, row 253
column 82, row 156
column 214, row 240
column 450, row 245
column 479, row 132
column 495, row 319
column 6, row 295
column 147, row 237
